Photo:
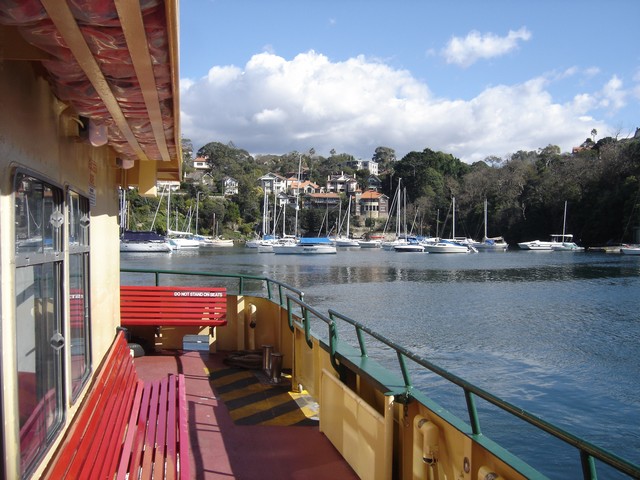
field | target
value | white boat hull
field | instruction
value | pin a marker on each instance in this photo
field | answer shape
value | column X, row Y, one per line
column 409, row 248
column 535, row 245
column 567, row 247
column 184, row 243
column 346, row 242
column 161, row 247
column 304, row 249
column 369, row 243
column 630, row 250
column 445, row 248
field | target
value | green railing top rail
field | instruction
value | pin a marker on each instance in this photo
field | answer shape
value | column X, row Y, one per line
column 289, row 296
column 282, row 288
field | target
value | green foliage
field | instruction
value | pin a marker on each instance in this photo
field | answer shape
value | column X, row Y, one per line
column 526, row 191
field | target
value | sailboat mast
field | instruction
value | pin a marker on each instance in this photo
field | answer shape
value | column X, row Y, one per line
column 453, row 218
column 274, row 213
column 298, row 193
column 485, row 219
column 564, row 220
column 348, row 215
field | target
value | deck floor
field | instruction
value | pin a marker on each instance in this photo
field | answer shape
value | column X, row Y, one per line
column 241, row 427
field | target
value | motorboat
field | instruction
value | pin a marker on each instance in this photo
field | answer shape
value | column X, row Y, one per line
column 306, row 246
column 146, row 242
column 630, row 250
column 213, row 242
column 567, row 247
column 535, row 245
column 183, row 241
column 559, row 241
column 446, row 246
column 409, row 247
column 370, row 243
column 497, row 244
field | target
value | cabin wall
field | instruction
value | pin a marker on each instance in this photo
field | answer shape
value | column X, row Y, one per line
column 37, row 134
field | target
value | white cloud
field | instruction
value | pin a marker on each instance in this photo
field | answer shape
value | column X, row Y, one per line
column 613, row 95
column 274, row 105
column 475, row 46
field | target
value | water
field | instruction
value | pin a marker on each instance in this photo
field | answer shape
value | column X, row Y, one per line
column 556, row 333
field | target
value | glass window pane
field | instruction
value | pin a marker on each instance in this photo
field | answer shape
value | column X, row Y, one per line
column 38, row 216
column 39, row 363
column 79, row 321
column 79, row 344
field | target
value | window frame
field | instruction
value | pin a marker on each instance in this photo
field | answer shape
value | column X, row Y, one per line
column 59, row 246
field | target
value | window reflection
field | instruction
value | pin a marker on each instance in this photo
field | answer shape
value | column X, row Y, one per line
column 39, row 307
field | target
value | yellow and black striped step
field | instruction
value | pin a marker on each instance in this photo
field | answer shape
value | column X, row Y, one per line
column 253, row 400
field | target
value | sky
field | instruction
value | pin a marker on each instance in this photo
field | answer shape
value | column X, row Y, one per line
column 467, row 77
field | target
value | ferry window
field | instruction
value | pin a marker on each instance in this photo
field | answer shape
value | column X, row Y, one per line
column 39, row 341
column 78, row 338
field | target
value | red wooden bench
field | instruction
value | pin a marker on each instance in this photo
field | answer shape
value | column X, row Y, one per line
column 173, row 306
column 125, row 427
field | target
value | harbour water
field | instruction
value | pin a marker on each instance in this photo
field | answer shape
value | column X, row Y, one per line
column 555, row 333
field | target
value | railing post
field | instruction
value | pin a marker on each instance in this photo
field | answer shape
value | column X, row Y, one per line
column 307, row 327
column 363, row 346
column 588, row 466
column 473, row 412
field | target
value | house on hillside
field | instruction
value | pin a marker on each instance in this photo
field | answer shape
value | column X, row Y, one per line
column 201, row 163
column 229, row 186
column 370, row 165
column 272, row 182
column 342, row 184
column 372, row 204
column 320, row 200
column 374, row 183
column 303, row 187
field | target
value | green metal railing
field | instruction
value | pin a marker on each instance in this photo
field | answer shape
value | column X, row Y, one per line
column 269, row 283
column 292, row 299
column 588, row 452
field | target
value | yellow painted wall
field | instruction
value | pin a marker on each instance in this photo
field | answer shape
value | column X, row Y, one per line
column 34, row 136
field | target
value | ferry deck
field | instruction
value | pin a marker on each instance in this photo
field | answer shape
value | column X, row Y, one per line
column 240, row 443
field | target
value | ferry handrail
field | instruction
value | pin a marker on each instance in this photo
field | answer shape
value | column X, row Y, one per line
column 281, row 286
column 588, row 451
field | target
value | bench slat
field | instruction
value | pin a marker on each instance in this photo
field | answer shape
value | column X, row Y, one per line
column 127, row 447
column 161, row 437
column 172, row 439
column 150, row 437
column 182, row 425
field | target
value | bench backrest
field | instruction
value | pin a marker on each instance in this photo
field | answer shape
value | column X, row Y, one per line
column 173, row 306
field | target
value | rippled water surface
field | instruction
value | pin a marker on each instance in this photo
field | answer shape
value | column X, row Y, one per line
column 556, row 333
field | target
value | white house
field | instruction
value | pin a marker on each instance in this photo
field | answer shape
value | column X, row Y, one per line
column 229, row 186
column 272, row 182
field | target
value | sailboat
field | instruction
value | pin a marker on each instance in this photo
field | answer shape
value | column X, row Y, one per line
column 179, row 240
column 566, row 243
column 490, row 244
column 139, row 241
column 449, row 246
column 346, row 241
column 399, row 238
column 304, row 246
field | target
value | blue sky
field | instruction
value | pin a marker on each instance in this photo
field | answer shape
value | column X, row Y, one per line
column 470, row 78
